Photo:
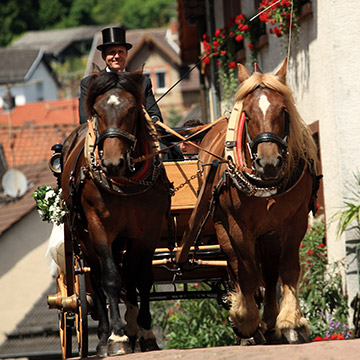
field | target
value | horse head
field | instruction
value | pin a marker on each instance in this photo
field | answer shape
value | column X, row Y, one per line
column 115, row 102
column 266, row 125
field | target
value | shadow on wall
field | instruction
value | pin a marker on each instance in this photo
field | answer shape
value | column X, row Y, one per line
column 21, row 239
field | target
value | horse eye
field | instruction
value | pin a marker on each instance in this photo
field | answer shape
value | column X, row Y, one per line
column 132, row 110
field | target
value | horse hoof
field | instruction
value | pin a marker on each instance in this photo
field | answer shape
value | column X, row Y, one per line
column 132, row 343
column 101, row 351
column 295, row 336
column 257, row 339
column 148, row 345
column 271, row 338
column 118, row 346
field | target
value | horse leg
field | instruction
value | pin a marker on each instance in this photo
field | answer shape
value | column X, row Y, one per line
column 291, row 325
column 244, row 274
column 144, row 282
column 132, row 310
column 270, row 258
column 131, row 315
column 138, row 274
column 102, row 315
column 111, row 284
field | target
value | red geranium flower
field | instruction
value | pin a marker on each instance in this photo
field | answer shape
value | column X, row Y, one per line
column 318, row 338
column 238, row 37
column 232, row 65
column 239, row 19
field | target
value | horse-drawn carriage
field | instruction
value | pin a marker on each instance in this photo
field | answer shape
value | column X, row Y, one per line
column 236, row 219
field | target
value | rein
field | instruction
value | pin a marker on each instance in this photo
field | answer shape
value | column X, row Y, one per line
column 183, row 139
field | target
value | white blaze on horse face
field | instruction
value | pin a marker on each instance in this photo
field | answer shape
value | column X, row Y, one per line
column 113, row 100
column 264, row 104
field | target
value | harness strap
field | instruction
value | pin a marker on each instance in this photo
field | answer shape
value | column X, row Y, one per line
column 113, row 132
column 183, row 139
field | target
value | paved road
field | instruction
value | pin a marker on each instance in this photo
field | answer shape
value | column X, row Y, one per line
column 325, row 350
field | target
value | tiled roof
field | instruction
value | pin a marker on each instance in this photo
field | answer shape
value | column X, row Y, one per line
column 35, row 127
column 14, row 210
column 55, row 41
column 32, row 144
column 16, row 63
column 43, row 112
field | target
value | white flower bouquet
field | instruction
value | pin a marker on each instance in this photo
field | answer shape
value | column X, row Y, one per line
column 49, row 204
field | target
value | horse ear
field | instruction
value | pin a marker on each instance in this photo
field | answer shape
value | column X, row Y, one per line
column 281, row 74
column 95, row 69
column 243, row 74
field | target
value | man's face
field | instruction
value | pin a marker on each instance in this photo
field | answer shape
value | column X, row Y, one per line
column 115, row 57
column 187, row 148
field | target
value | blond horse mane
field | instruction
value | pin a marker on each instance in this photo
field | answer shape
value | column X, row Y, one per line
column 301, row 144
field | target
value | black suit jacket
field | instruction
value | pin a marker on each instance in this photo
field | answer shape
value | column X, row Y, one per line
column 150, row 103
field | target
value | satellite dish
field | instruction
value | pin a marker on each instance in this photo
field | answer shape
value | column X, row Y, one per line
column 14, row 183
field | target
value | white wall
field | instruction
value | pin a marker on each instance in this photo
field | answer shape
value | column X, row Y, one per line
column 24, row 272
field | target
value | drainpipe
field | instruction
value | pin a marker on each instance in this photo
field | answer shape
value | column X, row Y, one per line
column 214, row 93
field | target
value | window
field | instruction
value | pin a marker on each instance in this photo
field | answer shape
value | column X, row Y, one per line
column 39, row 91
column 160, row 80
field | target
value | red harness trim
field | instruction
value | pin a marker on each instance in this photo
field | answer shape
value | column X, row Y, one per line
column 239, row 138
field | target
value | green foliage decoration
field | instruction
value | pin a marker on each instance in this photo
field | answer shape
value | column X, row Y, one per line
column 349, row 216
column 49, row 204
column 193, row 323
column 321, row 293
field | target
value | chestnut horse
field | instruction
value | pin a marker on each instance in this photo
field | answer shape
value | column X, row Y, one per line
column 116, row 206
column 263, row 191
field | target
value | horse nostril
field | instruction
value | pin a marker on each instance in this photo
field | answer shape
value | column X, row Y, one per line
column 258, row 162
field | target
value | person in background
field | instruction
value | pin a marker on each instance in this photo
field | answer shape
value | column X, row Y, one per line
column 190, row 151
column 114, row 51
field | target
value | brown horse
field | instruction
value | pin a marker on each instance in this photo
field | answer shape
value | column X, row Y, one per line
column 263, row 192
column 116, row 206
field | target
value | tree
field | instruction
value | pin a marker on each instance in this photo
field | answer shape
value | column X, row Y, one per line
column 15, row 18
column 139, row 14
column 19, row 16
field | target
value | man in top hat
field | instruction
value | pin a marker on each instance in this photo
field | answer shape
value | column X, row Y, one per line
column 114, row 51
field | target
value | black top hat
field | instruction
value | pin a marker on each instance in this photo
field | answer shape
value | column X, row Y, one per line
column 113, row 36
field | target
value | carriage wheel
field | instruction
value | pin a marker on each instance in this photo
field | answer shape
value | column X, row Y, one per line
column 65, row 323
column 81, row 317
column 65, row 330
